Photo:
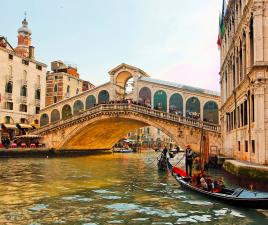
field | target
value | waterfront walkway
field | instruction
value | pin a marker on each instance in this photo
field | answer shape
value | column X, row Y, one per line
column 239, row 168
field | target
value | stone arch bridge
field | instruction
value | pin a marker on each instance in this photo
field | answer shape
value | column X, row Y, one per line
column 102, row 126
column 97, row 118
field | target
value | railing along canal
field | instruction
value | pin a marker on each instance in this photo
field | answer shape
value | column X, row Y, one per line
column 134, row 108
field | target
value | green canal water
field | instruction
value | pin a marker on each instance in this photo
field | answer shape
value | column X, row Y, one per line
column 105, row 189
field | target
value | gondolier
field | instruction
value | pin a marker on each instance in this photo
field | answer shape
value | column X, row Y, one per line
column 189, row 155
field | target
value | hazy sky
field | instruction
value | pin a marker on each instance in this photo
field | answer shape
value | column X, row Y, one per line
column 172, row 40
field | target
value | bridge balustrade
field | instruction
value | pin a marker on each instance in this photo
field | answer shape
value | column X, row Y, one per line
column 139, row 109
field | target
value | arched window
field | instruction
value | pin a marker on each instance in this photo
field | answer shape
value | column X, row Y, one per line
column 9, row 87
column 103, row 97
column 66, row 112
column 90, row 101
column 23, row 91
column 44, row 119
column 55, row 115
column 68, row 89
column 176, row 104
column 78, row 107
column 55, row 99
column 37, row 94
column 77, row 91
column 55, row 88
column 145, row 96
column 211, row 112
column 193, row 108
column 160, row 100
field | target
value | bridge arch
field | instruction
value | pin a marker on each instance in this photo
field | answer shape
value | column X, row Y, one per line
column 103, row 97
column 66, row 112
column 78, row 107
column 193, row 108
column 145, row 96
column 55, row 116
column 211, row 112
column 90, row 101
column 105, row 132
column 160, row 100
column 44, row 119
column 176, row 104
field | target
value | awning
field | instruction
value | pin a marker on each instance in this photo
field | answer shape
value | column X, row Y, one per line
column 25, row 126
column 9, row 126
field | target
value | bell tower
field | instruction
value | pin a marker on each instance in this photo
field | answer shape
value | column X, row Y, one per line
column 24, row 47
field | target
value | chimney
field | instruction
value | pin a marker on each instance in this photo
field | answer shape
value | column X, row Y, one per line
column 31, row 52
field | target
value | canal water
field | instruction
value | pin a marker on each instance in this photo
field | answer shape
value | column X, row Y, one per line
column 105, row 189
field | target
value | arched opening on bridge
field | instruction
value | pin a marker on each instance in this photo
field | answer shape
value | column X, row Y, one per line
column 193, row 108
column 124, row 85
column 103, row 97
column 176, row 104
column 145, row 96
column 160, row 100
column 55, row 116
column 211, row 112
column 78, row 107
column 44, row 119
column 66, row 112
column 90, row 101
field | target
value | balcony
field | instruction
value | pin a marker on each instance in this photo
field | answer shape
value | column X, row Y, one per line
column 23, row 82
column 37, row 102
column 8, row 96
column 9, row 78
column 23, row 99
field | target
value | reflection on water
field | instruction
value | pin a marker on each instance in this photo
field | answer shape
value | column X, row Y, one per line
column 108, row 189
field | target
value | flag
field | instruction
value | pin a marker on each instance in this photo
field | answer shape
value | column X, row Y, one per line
column 221, row 23
column 219, row 34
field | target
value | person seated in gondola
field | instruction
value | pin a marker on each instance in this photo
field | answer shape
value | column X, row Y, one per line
column 210, row 184
column 194, row 181
column 204, row 184
column 198, row 177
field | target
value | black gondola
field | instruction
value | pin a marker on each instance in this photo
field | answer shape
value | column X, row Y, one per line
column 234, row 196
column 164, row 164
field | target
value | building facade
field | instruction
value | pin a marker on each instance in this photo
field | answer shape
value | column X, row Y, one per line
column 23, row 83
column 64, row 82
column 244, row 79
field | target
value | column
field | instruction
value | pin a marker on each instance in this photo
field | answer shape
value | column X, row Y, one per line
column 258, row 31
column 260, row 143
column 247, row 69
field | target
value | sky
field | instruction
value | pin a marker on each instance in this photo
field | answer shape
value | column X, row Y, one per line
column 172, row 40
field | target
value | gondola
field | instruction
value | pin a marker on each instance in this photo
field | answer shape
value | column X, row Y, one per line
column 164, row 164
column 233, row 196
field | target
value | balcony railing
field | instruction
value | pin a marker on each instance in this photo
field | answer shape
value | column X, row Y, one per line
column 8, row 96
column 23, row 99
column 23, row 82
column 37, row 102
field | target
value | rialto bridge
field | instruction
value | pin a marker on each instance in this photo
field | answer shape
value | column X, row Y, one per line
column 98, row 118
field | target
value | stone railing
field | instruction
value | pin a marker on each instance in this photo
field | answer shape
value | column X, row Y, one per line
column 110, row 108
